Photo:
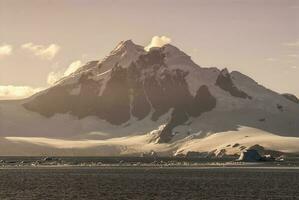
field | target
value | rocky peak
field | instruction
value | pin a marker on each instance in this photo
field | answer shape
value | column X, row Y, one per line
column 224, row 72
column 128, row 46
column 123, row 55
column 225, row 82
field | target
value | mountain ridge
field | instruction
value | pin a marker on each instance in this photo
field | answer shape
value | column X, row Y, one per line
column 163, row 88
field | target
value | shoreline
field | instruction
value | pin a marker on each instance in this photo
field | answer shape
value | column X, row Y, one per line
column 143, row 166
column 140, row 162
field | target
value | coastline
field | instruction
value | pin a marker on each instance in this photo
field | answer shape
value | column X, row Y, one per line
column 114, row 163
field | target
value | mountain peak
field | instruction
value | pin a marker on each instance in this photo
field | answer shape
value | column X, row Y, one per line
column 127, row 45
column 160, row 94
column 225, row 72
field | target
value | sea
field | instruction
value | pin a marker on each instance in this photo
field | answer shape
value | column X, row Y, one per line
column 148, row 181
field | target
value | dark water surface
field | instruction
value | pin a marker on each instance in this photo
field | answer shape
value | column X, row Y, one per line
column 148, row 183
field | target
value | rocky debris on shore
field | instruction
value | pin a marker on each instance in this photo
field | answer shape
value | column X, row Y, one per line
column 151, row 154
column 252, row 155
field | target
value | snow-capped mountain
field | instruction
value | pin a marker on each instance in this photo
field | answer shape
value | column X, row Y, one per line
column 135, row 100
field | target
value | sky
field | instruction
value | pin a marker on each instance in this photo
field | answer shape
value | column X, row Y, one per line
column 42, row 40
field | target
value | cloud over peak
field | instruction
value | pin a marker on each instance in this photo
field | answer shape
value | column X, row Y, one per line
column 44, row 52
column 53, row 77
column 158, row 41
column 73, row 67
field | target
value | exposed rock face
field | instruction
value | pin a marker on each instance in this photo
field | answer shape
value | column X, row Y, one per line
column 185, row 107
column 224, row 81
column 112, row 106
column 262, row 151
column 141, row 106
column 291, row 97
column 194, row 154
column 250, row 155
column 279, row 107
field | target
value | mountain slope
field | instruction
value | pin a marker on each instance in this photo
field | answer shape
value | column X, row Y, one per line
column 161, row 94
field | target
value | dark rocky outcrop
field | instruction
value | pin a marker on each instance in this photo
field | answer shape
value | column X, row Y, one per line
column 262, row 151
column 279, row 107
column 250, row 155
column 115, row 100
column 224, row 81
column 262, row 119
column 165, row 90
column 236, row 145
column 140, row 106
column 195, row 154
column 113, row 105
column 202, row 102
column 257, row 153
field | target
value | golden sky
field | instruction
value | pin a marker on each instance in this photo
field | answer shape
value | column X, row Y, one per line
column 42, row 39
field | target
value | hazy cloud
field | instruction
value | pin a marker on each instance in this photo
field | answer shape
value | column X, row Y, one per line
column 292, row 44
column 5, row 50
column 158, row 41
column 271, row 59
column 17, row 92
column 44, row 52
column 53, row 77
column 294, row 55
